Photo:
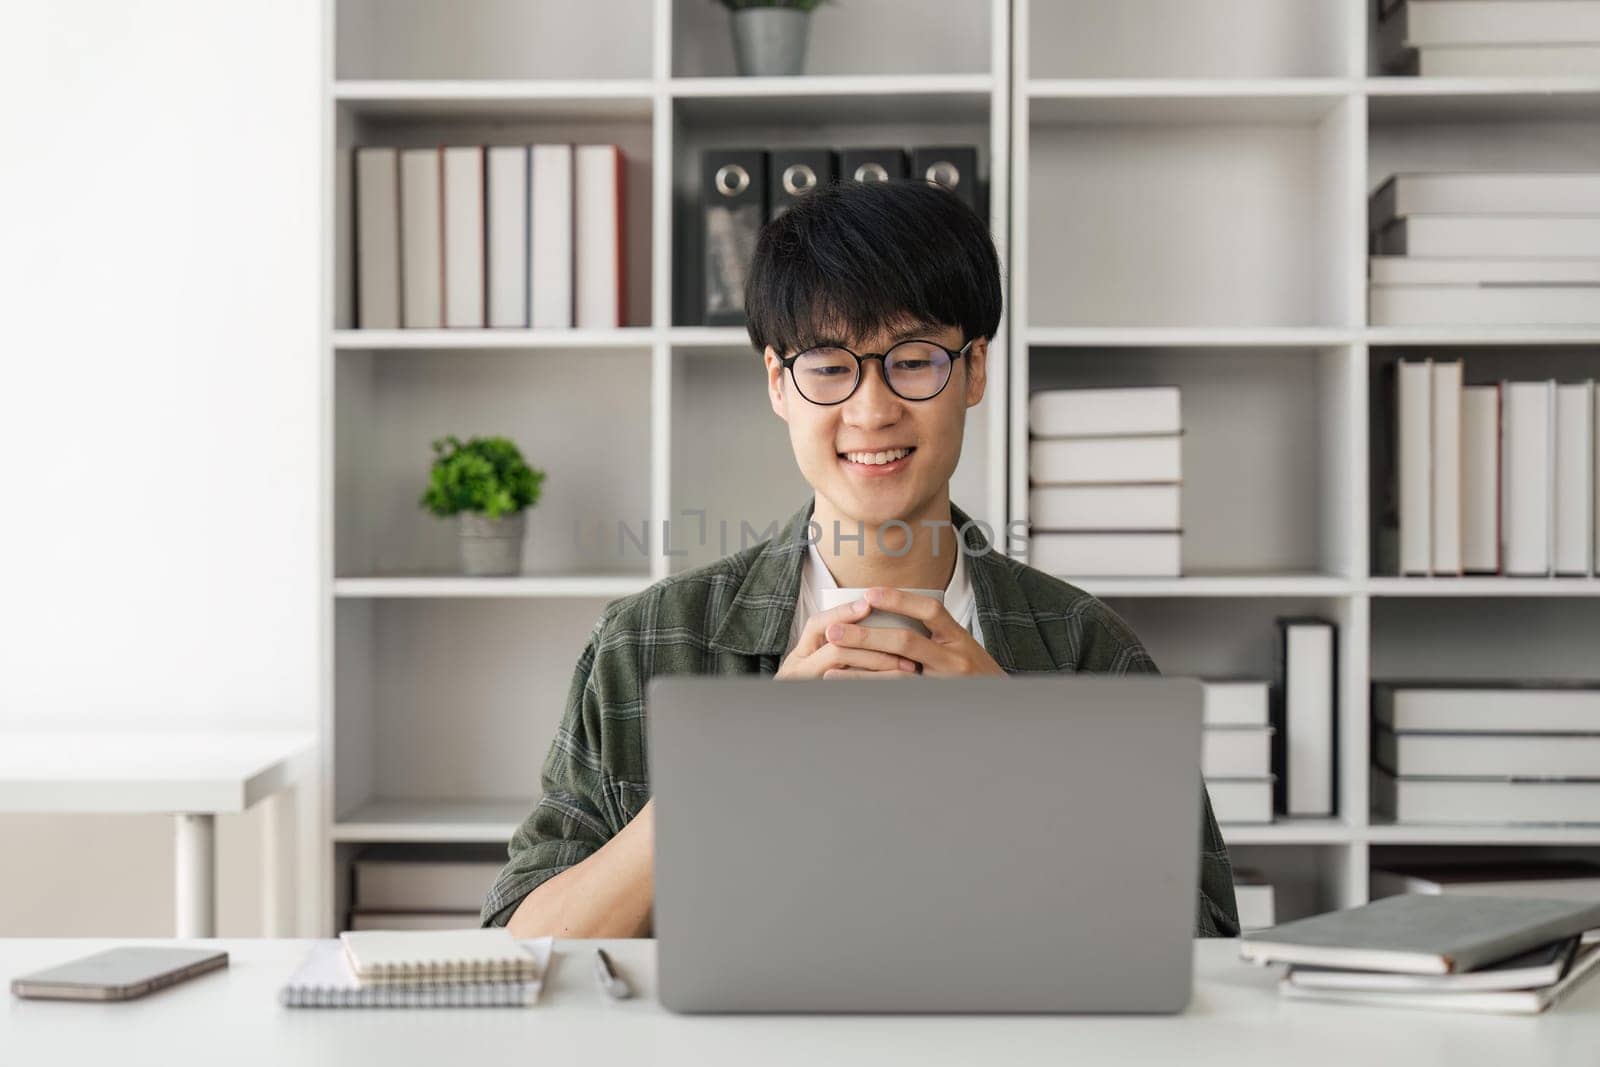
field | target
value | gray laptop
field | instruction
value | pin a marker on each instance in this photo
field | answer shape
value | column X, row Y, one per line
column 1019, row 844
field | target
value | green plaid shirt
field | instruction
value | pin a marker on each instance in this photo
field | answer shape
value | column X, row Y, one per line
column 733, row 617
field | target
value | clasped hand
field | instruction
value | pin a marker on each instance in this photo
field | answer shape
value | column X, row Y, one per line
column 834, row 645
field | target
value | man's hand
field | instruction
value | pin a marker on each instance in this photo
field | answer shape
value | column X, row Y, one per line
column 949, row 650
column 816, row 657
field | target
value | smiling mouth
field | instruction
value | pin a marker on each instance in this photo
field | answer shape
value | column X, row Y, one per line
column 877, row 459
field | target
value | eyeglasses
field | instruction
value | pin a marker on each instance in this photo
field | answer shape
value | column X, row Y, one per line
column 913, row 370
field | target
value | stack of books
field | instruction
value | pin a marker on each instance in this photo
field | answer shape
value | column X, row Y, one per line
column 1489, row 38
column 505, row 236
column 1236, row 753
column 1486, row 752
column 1494, row 479
column 472, row 968
column 1255, row 898
column 1485, row 249
column 422, row 887
column 1542, row 879
column 1106, row 467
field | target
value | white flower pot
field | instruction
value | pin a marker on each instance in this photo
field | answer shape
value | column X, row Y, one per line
column 491, row 546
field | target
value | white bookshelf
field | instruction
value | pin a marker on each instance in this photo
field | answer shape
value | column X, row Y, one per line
column 1178, row 193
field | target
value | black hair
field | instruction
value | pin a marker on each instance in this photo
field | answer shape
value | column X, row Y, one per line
column 850, row 258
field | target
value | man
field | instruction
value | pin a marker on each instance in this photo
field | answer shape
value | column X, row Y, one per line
column 874, row 305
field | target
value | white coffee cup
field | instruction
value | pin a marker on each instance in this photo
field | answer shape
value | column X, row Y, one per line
column 832, row 598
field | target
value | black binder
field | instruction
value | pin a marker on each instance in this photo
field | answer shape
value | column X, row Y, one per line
column 796, row 172
column 733, row 189
column 872, row 164
column 953, row 166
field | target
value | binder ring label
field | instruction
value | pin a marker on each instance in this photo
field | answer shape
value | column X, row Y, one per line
column 798, row 178
column 871, row 172
column 732, row 179
column 943, row 173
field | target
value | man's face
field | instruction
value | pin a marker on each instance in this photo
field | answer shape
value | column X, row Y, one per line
column 874, row 419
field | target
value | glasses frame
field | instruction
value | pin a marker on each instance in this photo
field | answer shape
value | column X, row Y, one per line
column 883, row 368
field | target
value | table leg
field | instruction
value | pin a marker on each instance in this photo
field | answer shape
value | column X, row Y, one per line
column 196, row 875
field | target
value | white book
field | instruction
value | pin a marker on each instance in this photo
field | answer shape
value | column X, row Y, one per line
column 1491, row 235
column 1491, row 1002
column 1445, row 523
column 421, row 239
column 1106, row 460
column 1456, row 193
column 446, row 956
column 507, row 235
column 599, row 236
column 1444, row 270
column 1527, row 412
column 1562, row 879
column 1106, row 555
column 1574, row 478
column 378, row 238
column 1490, row 708
column 550, row 242
column 1240, row 800
column 1414, row 405
column 1547, row 60
column 1484, row 305
column 430, row 879
column 1480, row 479
column 412, row 920
column 1236, row 752
column 1255, row 900
column 1105, row 507
column 1102, row 412
column 1448, row 23
column 1308, row 652
column 463, row 236
column 1485, row 801
column 1487, row 755
column 1236, row 702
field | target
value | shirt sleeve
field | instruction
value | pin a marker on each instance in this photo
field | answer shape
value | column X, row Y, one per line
column 569, row 824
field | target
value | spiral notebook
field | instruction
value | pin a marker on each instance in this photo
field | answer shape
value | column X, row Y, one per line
column 438, row 956
column 327, row 980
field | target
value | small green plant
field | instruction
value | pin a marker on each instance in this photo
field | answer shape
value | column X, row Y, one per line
column 798, row 5
column 486, row 475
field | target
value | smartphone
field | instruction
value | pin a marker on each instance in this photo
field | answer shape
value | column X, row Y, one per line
column 119, row 973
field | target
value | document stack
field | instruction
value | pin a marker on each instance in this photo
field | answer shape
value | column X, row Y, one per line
column 1489, row 38
column 1485, row 249
column 1494, row 479
column 1236, row 753
column 511, row 236
column 422, row 887
column 1106, row 471
column 1448, row 953
column 1488, row 753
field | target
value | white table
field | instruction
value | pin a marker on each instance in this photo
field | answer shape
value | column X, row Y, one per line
column 192, row 776
column 1236, row 1018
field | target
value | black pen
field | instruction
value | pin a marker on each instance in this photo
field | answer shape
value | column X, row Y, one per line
column 613, row 983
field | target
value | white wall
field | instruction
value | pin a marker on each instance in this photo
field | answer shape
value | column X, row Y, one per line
column 160, row 404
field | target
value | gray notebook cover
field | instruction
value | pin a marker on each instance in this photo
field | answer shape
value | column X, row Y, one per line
column 1421, row 934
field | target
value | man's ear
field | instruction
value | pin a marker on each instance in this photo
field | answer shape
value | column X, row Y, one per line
column 977, row 370
column 775, row 383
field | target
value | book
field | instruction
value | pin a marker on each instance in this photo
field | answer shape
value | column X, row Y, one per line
column 1491, row 235
column 1454, row 23
column 952, row 167
column 1483, row 305
column 1537, row 967
column 1545, row 60
column 1573, row 504
column 1500, row 1002
column 1445, row 521
column 599, row 260
column 733, row 208
column 1304, row 741
column 1414, row 410
column 1506, row 193
column 1106, row 460
column 1105, row 412
column 412, row 920
column 1551, row 879
column 1421, row 934
column 507, row 235
column 377, row 238
column 1527, row 472
column 1255, row 899
column 794, row 172
column 1105, row 507
column 1240, row 800
column 1485, row 801
column 1469, row 707
column 463, row 236
column 427, row 878
column 1441, row 270
column 1236, row 752
column 326, row 980
column 1236, row 702
column 1480, row 479
column 1483, row 755
column 421, row 239
column 1134, row 555
column 473, row 955
column 550, row 214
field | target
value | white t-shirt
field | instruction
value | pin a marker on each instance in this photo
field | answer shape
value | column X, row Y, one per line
column 815, row 575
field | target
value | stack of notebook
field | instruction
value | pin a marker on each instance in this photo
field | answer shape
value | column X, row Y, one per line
column 1236, row 755
column 1453, row 953
column 420, row 969
column 1489, row 38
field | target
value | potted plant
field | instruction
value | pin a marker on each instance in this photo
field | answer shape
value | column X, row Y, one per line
column 485, row 483
column 769, row 36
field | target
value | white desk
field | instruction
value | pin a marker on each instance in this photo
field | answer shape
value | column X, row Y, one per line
column 1235, row 1018
column 192, row 776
